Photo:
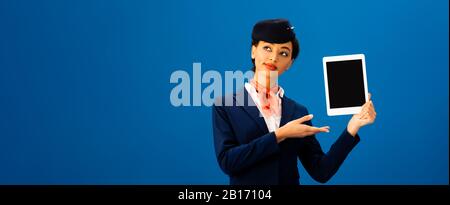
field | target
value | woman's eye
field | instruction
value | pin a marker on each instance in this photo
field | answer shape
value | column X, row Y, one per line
column 267, row 48
column 285, row 54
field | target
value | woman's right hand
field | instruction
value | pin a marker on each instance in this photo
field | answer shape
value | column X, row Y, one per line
column 295, row 129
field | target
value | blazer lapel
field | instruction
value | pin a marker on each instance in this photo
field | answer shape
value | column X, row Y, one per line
column 244, row 100
column 287, row 110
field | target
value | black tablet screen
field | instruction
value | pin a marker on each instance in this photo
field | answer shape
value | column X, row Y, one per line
column 345, row 83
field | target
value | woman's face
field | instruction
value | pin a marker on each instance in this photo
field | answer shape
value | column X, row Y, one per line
column 272, row 56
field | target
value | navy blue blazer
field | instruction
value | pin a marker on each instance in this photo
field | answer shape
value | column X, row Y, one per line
column 250, row 154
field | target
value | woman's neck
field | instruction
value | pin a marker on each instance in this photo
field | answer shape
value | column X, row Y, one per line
column 266, row 79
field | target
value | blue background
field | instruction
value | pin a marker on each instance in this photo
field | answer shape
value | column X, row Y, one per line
column 85, row 91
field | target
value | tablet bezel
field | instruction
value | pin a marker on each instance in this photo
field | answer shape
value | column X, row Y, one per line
column 344, row 110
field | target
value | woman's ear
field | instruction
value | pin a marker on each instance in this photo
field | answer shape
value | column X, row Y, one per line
column 253, row 51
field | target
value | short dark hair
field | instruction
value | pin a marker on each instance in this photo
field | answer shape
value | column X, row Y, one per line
column 295, row 50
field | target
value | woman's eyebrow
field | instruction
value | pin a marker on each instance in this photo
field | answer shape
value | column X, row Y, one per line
column 286, row 48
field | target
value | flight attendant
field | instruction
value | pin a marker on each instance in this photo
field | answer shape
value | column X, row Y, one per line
column 259, row 142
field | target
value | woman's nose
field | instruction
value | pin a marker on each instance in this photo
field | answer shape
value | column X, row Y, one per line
column 273, row 57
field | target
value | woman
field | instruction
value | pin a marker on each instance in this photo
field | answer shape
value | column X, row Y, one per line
column 259, row 145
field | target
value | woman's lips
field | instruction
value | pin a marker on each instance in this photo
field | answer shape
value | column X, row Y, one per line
column 270, row 66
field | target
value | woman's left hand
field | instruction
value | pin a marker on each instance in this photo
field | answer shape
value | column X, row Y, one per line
column 365, row 117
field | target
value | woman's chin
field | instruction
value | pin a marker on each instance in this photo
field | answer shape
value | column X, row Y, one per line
column 266, row 70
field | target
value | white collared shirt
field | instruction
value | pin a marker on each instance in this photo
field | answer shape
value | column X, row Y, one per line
column 272, row 122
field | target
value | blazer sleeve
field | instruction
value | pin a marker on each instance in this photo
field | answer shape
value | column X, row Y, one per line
column 322, row 166
column 232, row 156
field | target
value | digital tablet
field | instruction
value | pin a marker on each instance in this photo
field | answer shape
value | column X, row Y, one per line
column 345, row 84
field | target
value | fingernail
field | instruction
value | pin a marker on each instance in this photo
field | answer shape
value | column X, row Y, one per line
column 311, row 115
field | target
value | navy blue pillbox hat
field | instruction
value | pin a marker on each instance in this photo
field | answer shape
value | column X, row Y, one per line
column 273, row 31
